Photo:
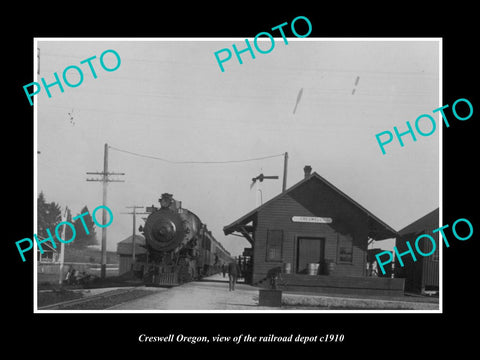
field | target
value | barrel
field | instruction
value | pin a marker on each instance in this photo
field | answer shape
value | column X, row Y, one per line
column 312, row 268
column 287, row 268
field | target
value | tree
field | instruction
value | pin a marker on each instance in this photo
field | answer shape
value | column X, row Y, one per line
column 48, row 216
column 82, row 239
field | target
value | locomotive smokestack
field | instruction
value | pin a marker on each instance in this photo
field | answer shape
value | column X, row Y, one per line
column 166, row 200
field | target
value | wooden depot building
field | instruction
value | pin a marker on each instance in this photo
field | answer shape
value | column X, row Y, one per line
column 313, row 237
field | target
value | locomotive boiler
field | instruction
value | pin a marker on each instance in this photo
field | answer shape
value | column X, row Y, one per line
column 179, row 246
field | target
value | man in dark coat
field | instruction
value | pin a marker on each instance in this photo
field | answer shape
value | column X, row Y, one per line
column 233, row 272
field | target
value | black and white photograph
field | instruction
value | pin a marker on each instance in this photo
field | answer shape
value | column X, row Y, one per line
column 258, row 188
column 279, row 182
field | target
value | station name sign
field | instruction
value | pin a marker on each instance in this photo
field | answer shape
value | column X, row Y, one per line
column 312, row 219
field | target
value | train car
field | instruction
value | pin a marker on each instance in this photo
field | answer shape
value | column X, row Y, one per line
column 214, row 255
column 179, row 246
column 223, row 255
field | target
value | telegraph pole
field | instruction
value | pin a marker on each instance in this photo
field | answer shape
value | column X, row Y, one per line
column 105, row 180
column 285, row 163
column 62, row 248
column 134, row 213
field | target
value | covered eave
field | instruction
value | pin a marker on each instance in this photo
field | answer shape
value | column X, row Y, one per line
column 379, row 230
column 244, row 226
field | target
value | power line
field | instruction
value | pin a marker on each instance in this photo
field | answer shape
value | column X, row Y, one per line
column 195, row 162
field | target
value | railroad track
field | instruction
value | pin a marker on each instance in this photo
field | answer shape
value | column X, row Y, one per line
column 100, row 301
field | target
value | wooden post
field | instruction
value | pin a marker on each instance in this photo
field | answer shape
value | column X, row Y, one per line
column 134, row 213
column 62, row 249
column 105, row 180
column 103, row 269
column 133, row 237
column 285, row 164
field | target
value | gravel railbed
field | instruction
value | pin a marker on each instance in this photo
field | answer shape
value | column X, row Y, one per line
column 107, row 299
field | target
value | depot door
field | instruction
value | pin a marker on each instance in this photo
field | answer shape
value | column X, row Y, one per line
column 310, row 250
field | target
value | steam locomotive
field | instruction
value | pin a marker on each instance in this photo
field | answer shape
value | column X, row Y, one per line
column 179, row 246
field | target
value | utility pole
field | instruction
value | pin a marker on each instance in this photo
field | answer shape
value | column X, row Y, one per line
column 62, row 248
column 134, row 213
column 105, row 180
column 285, row 164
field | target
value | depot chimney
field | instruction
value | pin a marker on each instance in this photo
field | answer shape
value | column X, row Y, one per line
column 308, row 170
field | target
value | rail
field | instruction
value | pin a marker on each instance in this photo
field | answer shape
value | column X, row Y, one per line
column 69, row 304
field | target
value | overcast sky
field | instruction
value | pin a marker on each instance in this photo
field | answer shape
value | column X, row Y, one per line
column 169, row 99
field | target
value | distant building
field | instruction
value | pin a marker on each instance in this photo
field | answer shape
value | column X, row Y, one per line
column 47, row 263
column 125, row 249
column 50, row 255
column 423, row 274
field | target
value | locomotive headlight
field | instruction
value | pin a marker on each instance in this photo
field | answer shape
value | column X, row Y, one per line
column 165, row 230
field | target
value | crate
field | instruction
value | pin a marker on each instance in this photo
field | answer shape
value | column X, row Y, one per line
column 270, row 297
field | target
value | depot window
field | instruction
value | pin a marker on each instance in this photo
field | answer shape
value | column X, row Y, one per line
column 274, row 245
column 345, row 249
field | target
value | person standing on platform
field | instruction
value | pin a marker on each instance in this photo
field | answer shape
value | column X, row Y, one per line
column 233, row 271
column 68, row 276
column 224, row 269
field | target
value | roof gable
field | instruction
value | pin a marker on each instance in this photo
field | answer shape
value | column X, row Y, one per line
column 382, row 230
column 429, row 220
column 124, row 247
column 128, row 240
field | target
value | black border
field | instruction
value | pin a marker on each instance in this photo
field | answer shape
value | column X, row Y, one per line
column 408, row 334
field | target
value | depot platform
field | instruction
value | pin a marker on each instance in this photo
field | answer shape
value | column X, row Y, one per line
column 212, row 293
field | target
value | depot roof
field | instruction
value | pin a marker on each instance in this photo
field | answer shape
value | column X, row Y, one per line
column 429, row 220
column 378, row 229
